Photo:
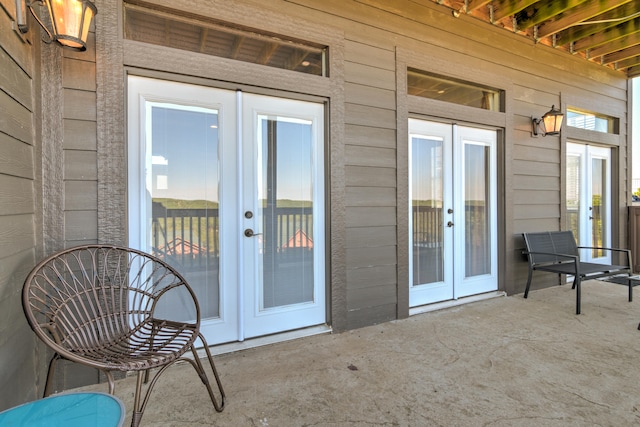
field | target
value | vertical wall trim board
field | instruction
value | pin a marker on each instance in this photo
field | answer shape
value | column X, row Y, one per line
column 50, row 143
column 111, row 125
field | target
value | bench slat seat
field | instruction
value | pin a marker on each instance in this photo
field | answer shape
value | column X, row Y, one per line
column 557, row 252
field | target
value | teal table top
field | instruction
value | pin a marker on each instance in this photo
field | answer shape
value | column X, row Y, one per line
column 68, row 410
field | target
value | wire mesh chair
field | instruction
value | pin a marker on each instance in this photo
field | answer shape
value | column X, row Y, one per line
column 116, row 309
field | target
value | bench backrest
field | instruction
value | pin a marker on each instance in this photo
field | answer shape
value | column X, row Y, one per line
column 557, row 242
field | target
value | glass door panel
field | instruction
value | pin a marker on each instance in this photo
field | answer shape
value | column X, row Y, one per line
column 182, row 182
column 430, row 210
column 427, row 227
column 283, row 180
column 181, row 153
column 574, row 184
column 475, row 218
column 286, row 206
column 598, row 208
column 477, row 199
column 588, row 207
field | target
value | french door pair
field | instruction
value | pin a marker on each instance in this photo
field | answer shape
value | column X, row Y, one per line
column 589, row 199
column 228, row 187
column 453, row 211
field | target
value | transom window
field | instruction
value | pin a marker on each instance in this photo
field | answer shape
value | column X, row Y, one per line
column 427, row 85
column 591, row 121
column 169, row 28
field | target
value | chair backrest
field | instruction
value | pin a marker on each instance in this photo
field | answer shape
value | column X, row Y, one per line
column 90, row 296
column 555, row 242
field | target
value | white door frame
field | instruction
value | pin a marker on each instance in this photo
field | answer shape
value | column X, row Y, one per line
column 587, row 153
column 235, row 150
column 455, row 284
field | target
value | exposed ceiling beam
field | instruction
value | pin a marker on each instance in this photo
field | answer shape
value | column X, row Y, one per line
column 628, row 63
column 614, row 46
column 606, row 32
column 608, row 36
column 267, row 52
column 577, row 14
column 542, row 11
column 633, row 72
column 504, row 8
column 578, row 32
column 235, row 47
column 476, row 4
column 621, row 55
column 203, row 39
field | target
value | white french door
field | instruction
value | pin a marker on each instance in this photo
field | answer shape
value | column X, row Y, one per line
column 453, row 211
column 229, row 188
column 589, row 199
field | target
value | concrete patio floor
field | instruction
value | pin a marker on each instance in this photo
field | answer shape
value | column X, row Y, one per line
column 506, row 361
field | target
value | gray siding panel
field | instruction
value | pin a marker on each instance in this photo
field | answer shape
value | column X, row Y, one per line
column 363, row 277
column 19, row 354
column 356, row 155
column 15, row 80
column 81, row 195
column 81, row 226
column 16, row 157
column 363, row 237
column 15, row 119
column 79, row 104
column 80, row 135
column 360, row 176
column 17, row 195
column 370, row 136
column 80, row 165
column 371, row 196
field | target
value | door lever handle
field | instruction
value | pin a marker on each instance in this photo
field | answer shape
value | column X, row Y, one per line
column 249, row 233
column 449, row 224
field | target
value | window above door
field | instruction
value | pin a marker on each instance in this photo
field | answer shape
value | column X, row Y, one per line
column 171, row 28
column 441, row 88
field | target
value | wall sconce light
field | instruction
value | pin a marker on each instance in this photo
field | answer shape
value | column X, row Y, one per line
column 551, row 123
column 70, row 20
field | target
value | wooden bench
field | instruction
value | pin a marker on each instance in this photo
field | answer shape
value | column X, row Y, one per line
column 557, row 252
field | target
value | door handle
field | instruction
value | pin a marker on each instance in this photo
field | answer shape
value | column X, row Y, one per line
column 449, row 224
column 249, row 233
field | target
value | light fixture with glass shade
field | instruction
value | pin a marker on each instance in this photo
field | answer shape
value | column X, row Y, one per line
column 70, row 20
column 551, row 123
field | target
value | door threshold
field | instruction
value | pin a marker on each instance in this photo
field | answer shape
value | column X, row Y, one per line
column 455, row 302
column 266, row 340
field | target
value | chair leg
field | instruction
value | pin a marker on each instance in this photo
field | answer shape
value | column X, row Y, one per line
column 136, row 413
column 575, row 281
column 576, row 284
column 203, row 376
column 526, row 290
column 630, row 288
column 139, row 402
column 50, row 374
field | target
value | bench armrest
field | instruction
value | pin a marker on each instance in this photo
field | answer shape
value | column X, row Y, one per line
column 627, row 251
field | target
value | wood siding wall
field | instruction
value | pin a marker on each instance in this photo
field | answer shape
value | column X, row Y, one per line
column 371, row 42
column 18, row 351
column 48, row 185
column 368, row 199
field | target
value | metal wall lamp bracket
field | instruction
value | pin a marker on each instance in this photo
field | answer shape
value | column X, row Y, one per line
column 549, row 124
column 70, row 20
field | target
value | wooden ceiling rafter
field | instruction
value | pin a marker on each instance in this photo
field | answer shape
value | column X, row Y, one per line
column 609, row 35
column 605, row 32
column 580, row 13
